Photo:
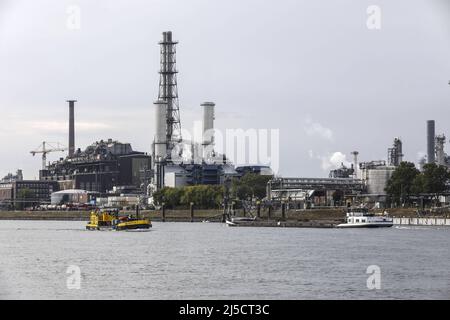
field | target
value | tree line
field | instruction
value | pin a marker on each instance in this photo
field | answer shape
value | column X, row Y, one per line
column 407, row 181
column 250, row 186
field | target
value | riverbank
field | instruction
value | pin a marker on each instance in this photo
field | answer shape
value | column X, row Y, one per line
column 171, row 216
column 321, row 216
column 313, row 217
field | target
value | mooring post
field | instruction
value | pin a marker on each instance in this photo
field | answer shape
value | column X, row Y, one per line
column 283, row 211
column 192, row 212
column 269, row 212
column 224, row 213
column 233, row 211
column 163, row 211
column 258, row 209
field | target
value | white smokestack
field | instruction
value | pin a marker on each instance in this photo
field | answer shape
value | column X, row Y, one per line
column 208, row 128
column 161, row 130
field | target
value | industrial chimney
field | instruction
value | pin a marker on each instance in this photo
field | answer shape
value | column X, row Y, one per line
column 208, row 128
column 71, row 127
column 160, row 143
column 431, row 135
column 355, row 163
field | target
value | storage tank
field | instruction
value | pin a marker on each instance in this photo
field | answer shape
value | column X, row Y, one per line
column 377, row 178
column 69, row 196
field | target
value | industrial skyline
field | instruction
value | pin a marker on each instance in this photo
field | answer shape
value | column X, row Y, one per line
column 345, row 88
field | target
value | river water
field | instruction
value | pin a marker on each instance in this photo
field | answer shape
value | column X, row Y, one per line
column 212, row 261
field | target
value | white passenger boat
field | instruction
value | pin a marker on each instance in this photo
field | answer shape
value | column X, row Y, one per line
column 236, row 220
column 362, row 218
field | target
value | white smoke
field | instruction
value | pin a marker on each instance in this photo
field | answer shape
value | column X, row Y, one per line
column 316, row 129
column 331, row 161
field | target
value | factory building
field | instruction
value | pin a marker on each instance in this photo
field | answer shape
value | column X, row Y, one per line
column 435, row 147
column 342, row 172
column 304, row 193
column 376, row 175
column 13, row 177
column 26, row 193
column 344, row 186
column 395, row 154
column 99, row 168
column 441, row 157
column 256, row 169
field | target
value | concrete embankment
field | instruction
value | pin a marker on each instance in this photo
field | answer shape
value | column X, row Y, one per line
column 316, row 218
column 45, row 215
column 171, row 216
column 304, row 218
column 422, row 221
column 291, row 218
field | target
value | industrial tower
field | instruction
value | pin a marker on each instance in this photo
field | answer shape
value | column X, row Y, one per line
column 395, row 154
column 168, row 91
column 71, row 127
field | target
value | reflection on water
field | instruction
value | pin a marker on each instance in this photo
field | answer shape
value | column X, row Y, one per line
column 212, row 261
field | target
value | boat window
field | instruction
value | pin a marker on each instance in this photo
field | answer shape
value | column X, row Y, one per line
column 357, row 220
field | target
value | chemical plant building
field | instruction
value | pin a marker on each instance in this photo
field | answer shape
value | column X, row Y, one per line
column 344, row 186
column 112, row 173
column 100, row 167
column 15, row 192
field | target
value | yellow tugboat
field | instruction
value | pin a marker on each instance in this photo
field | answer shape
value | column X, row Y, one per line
column 108, row 219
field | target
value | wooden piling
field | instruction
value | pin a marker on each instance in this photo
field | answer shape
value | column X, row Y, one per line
column 163, row 212
column 192, row 212
column 258, row 209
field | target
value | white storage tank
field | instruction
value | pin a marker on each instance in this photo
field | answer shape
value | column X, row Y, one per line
column 69, row 196
column 377, row 178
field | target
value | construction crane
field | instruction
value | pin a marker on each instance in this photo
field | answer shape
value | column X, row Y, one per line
column 47, row 147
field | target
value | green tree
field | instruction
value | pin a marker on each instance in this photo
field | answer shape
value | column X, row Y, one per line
column 203, row 196
column 403, row 182
column 23, row 196
column 433, row 179
column 250, row 185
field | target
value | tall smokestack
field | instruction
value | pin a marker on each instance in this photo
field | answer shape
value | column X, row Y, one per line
column 161, row 129
column 431, row 135
column 208, row 128
column 355, row 163
column 160, row 142
column 71, row 127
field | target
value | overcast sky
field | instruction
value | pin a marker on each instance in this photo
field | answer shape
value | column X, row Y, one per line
column 312, row 69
